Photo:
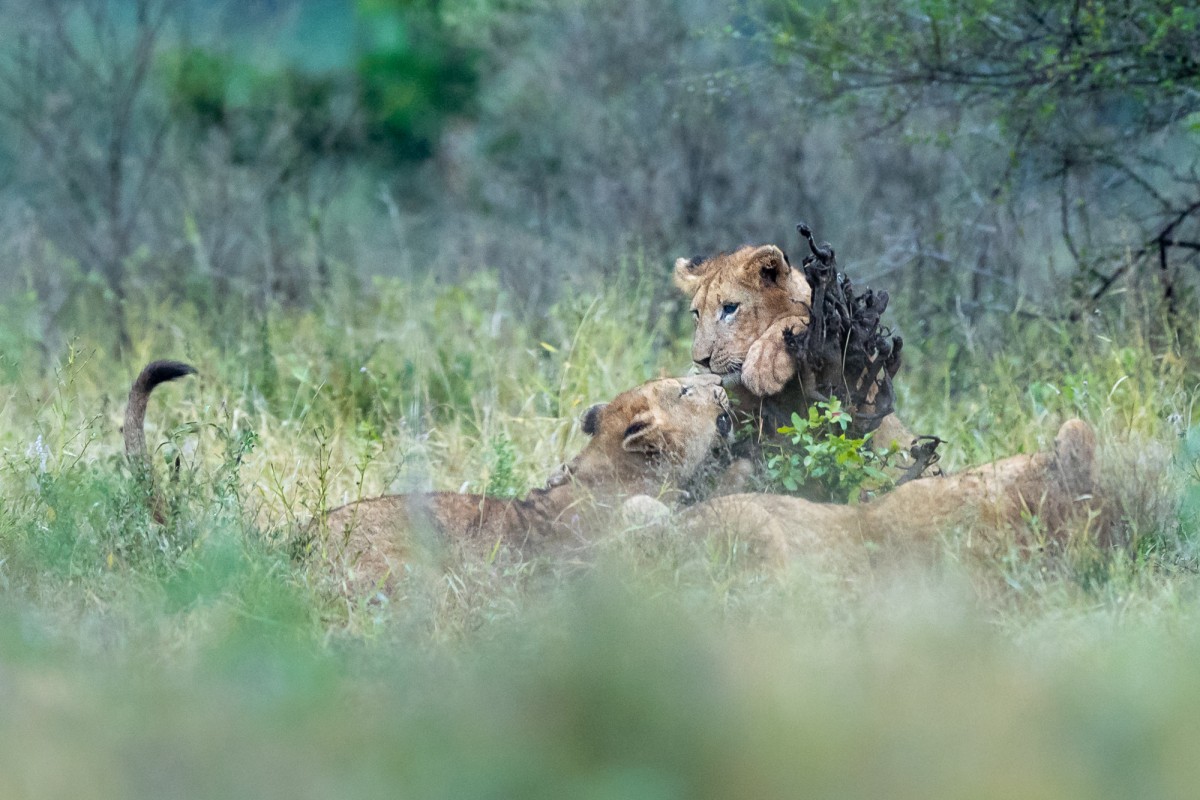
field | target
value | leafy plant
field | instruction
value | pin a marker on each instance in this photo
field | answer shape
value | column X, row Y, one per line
column 502, row 478
column 825, row 461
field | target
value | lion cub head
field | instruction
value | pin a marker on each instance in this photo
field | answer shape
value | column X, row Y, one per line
column 741, row 304
column 657, row 434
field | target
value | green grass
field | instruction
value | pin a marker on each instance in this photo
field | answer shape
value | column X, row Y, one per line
column 197, row 659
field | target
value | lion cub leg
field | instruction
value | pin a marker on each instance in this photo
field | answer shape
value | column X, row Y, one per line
column 768, row 365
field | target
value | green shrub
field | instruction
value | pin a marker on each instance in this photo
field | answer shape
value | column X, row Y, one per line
column 823, row 460
column 411, row 78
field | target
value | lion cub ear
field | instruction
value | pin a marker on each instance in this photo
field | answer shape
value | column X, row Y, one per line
column 688, row 272
column 590, row 421
column 768, row 264
column 642, row 435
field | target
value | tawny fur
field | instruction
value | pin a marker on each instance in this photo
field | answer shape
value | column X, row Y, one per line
column 1042, row 492
column 134, row 429
column 748, row 345
column 647, row 441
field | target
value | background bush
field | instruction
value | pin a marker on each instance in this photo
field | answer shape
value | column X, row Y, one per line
column 278, row 150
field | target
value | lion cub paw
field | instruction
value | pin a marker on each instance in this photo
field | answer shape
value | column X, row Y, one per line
column 768, row 365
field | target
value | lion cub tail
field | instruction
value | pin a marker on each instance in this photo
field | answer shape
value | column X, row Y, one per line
column 155, row 372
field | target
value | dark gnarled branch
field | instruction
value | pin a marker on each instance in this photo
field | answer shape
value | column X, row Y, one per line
column 845, row 351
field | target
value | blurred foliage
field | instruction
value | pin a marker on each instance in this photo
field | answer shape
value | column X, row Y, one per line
column 970, row 159
column 1064, row 62
column 199, row 85
column 406, row 78
column 412, row 74
column 1090, row 96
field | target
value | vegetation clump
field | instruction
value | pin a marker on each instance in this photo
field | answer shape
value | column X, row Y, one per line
column 826, row 462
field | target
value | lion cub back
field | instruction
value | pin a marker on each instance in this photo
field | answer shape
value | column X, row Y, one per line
column 369, row 542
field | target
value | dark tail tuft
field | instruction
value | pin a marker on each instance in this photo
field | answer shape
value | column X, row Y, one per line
column 156, row 372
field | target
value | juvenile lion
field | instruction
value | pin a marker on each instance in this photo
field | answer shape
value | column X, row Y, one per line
column 1045, row 488
column 742, row 304
column 647, row 441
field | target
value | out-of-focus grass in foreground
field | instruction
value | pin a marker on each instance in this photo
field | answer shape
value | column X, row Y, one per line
column 607, row 693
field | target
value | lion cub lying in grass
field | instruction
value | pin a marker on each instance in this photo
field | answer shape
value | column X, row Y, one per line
column 645, row 444
column 648, row 441
column 1040, row 492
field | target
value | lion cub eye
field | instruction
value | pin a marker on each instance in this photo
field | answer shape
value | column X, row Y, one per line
column 685, row 391
column 728, row 309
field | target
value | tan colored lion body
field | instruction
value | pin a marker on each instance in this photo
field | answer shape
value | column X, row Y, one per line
column 1045, row 489
column 741, row 303
column 647, row 441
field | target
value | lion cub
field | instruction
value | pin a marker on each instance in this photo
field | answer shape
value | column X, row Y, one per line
column 648, row 441
column 742, row 303
column 1048, row 489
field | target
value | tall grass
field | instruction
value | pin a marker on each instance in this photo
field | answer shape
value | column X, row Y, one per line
column 199, row 659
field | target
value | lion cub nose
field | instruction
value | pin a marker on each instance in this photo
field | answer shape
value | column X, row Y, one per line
column 704, row 362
